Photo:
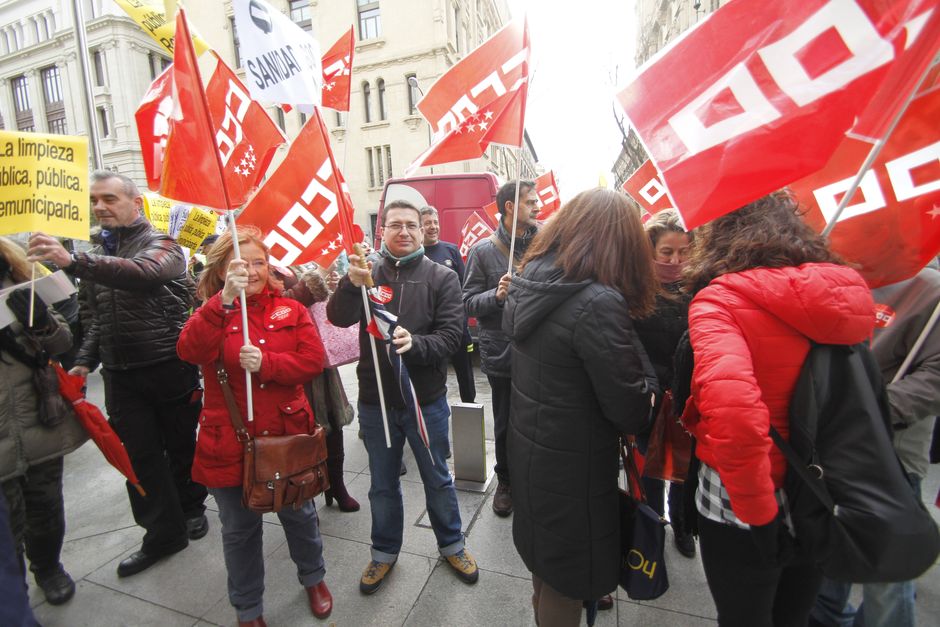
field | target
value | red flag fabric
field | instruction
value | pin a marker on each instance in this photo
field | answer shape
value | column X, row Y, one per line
column 304, row 209
column 546, row 192
column 892, row 226
column 245, row 135
column 337, row 72
column 190, row 165
column 645, row 186
column 153, row 124
column 500, row 118
column 775, row 86
column 473, row 230
column 491, row 211
column 498, row 66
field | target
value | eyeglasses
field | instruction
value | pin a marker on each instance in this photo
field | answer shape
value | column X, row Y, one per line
column 398, row 227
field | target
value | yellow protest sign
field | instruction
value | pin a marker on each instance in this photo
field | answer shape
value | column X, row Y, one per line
column 152, row 19
column 198, row 226
column 157, row 210
column 44, row 179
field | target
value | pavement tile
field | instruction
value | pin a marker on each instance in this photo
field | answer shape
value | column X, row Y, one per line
column 95, row 497
column 494, row 600
column 83, row 556
column 99, row 606
column 632, row 614
column 191, row 581
column 490, row 540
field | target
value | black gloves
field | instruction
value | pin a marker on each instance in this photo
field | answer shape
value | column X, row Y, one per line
column 18, row 302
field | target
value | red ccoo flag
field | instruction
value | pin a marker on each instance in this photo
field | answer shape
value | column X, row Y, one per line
column 546, row 192
column 190, row 163
column 645, row 186
column 473, row 231
column 337, row 72
column 304, row 209
column 153, row 124
column 775, row 88
column 892, row 227
column 491, row 211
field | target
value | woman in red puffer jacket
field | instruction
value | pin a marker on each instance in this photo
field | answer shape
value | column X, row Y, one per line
column 765, row 286
column 285, row 352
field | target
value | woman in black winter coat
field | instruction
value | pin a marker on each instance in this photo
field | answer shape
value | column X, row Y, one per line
column 660, row 334
column 580, row 378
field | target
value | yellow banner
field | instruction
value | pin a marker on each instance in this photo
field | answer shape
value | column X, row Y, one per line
column 44, row 183
column 198, row 226
column 157, row 210
column 151, row 18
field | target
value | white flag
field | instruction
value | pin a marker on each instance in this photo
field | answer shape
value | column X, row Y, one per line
column 281, row 60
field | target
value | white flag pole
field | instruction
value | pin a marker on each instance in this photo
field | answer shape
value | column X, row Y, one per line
column 872, row 155
column 912, row 354
column 357, row 248
column 244, row 303
column 32, row 294
column 515, row 211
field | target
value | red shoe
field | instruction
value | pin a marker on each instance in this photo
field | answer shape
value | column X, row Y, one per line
column 258, row 622
column 321, row 601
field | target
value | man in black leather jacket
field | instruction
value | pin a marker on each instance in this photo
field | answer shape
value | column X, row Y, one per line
column 138, row 295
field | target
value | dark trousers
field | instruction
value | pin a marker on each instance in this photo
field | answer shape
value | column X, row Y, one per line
column 748, row 594
column 37, row 514
column 501, row 388
column 552, row 608
column 463, row 368
column 14, row 603
column 154, row 410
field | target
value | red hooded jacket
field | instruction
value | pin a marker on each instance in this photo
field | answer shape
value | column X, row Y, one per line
column 751, row 332
column 292, row 354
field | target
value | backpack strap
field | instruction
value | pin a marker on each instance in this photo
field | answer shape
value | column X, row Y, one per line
column 501, row 247
column 811, row 475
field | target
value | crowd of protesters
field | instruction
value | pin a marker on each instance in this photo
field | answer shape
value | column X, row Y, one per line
column 576, row 337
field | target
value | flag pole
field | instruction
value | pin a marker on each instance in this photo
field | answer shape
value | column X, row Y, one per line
column 912, row 354
column 32, row 293
column 872, row 155
column 357, row 248
column 515, row 211
column 184, row 39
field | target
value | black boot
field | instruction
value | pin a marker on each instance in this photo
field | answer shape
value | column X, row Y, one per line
column 334, row 467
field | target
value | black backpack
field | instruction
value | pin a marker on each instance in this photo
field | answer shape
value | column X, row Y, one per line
column 851, row 504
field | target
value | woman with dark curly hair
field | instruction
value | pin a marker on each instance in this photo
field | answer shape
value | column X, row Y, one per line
column 765, row 287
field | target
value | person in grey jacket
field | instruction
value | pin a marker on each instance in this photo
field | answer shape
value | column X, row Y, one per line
column 32, row 445
column 902, row 311
column 484, row 293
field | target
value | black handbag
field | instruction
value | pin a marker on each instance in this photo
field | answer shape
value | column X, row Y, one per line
column 642, row 537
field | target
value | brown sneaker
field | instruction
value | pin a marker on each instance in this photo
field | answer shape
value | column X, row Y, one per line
column 465, row 566
column 502, row 500
column 373, row 576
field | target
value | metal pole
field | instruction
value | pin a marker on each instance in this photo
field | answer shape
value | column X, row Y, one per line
column 244, row 302
column 81, row 49
column 872, row 155
column 515, row 211
column 912, row 354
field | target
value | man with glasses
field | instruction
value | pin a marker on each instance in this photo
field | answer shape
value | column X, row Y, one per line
column 426, row 299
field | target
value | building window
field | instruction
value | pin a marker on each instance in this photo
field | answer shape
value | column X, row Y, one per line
column 300, row 14
column 303, row 118
column 238, row 56
column 370, row 166
column 339, row 118
column 388, row 161
column 55, row 103
column 413, row 94
column 98, row 61
column 104, row 129
column 2, row 125
column 21, row 104
column 367, row 101
column 457, row 26
column 280, row 118
column 380, row 86
column 158, row 63
column 370, row 23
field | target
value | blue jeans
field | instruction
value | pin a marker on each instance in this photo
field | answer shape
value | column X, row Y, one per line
column 242, row 546
column 883, row 604
column 388, row 513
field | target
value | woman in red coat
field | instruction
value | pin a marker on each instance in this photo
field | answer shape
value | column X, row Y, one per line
column 285, row 351
column 765, row 286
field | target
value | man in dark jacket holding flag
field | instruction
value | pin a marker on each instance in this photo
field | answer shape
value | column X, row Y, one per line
column 139, row 294
column 417, row 303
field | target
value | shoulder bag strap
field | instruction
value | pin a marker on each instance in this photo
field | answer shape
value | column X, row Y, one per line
column 501, row 247
column 634, row 482
column 241, row 433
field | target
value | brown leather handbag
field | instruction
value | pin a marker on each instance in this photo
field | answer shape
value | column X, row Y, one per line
column 279, row 470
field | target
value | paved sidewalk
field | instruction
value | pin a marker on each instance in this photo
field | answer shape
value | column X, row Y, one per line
column 189, row 588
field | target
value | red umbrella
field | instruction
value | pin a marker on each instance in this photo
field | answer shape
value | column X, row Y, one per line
column 94, row 422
